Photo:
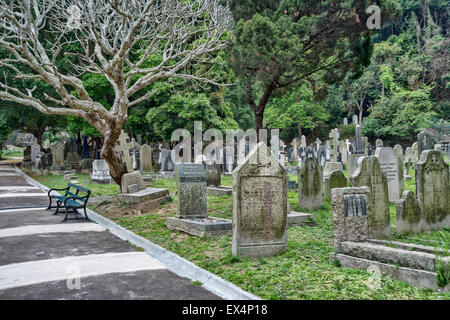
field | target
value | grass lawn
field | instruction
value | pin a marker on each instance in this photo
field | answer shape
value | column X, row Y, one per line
column 303, row 272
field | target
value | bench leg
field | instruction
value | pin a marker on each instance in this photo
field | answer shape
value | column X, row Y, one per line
column 58, row 204
column 50, row 204
column 85, row 215
column 65, row 218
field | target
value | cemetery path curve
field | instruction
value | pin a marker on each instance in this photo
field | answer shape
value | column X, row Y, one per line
column 42, row 258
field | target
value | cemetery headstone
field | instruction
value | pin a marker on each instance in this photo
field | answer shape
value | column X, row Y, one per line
column 146, row 158
column 100, row 172
column 369, row 174
column 122, row 149
column 408, row 214
column 336, row 179
column 433, row 190
column 379, row 143
column 310, row 184
column 424, row 142
column 259, row 205
column 392, row 166
column 351, row 207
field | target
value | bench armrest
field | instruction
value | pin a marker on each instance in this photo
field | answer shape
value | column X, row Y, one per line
column 83, row 199
column 56, row 189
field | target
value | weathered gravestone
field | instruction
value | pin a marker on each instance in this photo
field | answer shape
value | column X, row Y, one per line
column 379, row 143
column 433, row 193
column 350, row 207
column 310, row 184
column 334, row 144
column 331, row 167
column 424, row 142
column 398, row 151
column 392, row 166
column 369, row 174
column 415, row 152
column 344, row 152
column 122, row 150
column 146, row 158
column 192, row 216
column 336, row 179
column 35, row 150
column 322, row 156
column 100, row 172
column 167, row 164
column 408, row 214
column 259, row 205
column 57, row 155
column 133, row 191
column 213, row 181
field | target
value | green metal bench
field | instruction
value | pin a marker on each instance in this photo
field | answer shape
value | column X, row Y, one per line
column 70, row 200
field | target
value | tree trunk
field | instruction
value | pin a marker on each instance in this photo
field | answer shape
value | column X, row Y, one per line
column 300, row 132
column 116, row 167
column 259, row 117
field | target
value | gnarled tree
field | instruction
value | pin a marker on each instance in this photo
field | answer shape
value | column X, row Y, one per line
column 109, row 37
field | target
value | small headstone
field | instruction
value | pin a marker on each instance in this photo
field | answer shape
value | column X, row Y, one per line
column 100, row 172
column 398, row 151
column 379, row 143
column 322, row 156
column 408, row 214
column 424, row 142
column 134, row 178
column 355, row 120
column 167, row 164
column 331, row 167
column 303, row 141
column 334, row 143
column 369, row 174
column 259, row 205
column 392, row 166
column 345, row 121
column 336, row 179
column 213, row 174
column 310, row 184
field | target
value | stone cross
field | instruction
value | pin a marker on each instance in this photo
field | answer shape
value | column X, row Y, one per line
column 123, row 148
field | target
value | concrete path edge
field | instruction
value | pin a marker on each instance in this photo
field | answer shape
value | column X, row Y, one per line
column 173, row 262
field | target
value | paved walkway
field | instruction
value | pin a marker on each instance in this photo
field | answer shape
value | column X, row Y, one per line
column 42, row 258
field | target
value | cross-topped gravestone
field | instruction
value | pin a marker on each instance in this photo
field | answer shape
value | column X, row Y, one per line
column 424, row 142
column 122, row 150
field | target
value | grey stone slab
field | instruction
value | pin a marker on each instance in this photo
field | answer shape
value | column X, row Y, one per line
column 59, row 245
column 295, row 219
column 145, row 195
column 140, row 285
column 414, row 277
column 219, row 191
column 201, row 226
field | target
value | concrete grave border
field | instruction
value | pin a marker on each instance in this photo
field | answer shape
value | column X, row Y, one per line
column 172, row 261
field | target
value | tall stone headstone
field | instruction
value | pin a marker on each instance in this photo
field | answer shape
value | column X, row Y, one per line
column 167, row 164
column 344, row 152
column 424, row 142
column 345, row 121
column 35, row 150
column 398, row 151
column 295, row 144
column 351, row 207
column 146, row 158
column 369, row 174
column 259, row 205
column 310, row 184
column 303, row 141
column 392, row 166
column 358, row 147
column 85, row 153
column 57, row 155
column 334, row 144
column 433, row 190
column 415, row 152
column 191, row 190
column 355, row 120
column 322, row 156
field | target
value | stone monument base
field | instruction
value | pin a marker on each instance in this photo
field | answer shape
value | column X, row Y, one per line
column 101, row 179
column 156, row 194
column 295, row 219
column 218, row 191
column 200, row 226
